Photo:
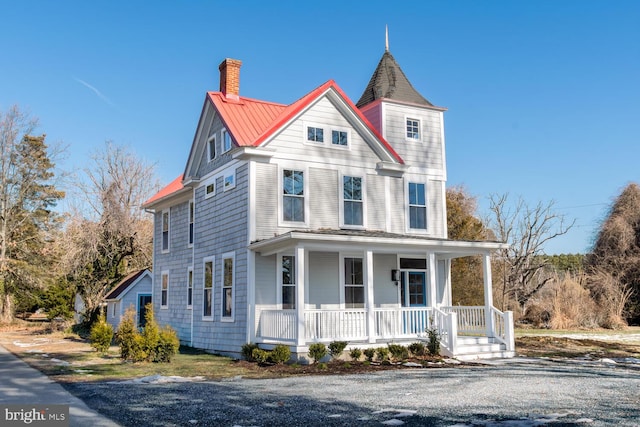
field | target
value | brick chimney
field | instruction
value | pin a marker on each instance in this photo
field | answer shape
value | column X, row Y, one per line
column 230, row 78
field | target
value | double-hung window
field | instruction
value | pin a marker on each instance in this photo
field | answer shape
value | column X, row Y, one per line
column 191, row 222
column 190, row 287
column 352, row 200
column 417, row 206
column 288, row 282
column 293, row 195
column 413, row 129
column 227, row 285
column 165, row 231
column 164, row 291
column 353, row 283
column 207, row 305
column 339, row 137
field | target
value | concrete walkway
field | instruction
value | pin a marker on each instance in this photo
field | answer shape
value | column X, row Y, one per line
column 22, row 384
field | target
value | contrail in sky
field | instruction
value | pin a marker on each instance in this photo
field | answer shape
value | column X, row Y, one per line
column 96, row 91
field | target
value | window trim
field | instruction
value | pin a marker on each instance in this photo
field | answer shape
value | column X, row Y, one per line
column 232, row 175
column 223, row 286
column 305, row 136
column 342, row 201
column 212, row 260
column 281, row 285
column 166, row 249
column 406, row 129
column 281, row 221
column 190, row 287
column 212, row 139
column 226, row 136
column 408, row 207
column 343, row 282
column 164, row 291
column 191, row 208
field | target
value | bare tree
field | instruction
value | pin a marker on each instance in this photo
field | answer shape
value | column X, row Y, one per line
column 27, row 195
column 526, row 229
column 114, row 236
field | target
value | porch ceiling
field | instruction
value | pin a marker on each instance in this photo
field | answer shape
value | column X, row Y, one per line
column 376, row 241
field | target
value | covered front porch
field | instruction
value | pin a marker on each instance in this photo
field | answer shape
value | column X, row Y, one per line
column 371, row 289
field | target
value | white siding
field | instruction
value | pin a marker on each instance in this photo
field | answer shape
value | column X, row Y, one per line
column 324, row 280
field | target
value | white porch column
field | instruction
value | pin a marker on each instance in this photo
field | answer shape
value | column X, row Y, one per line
column 432, row 271
column 488, row 295
column 300, row 294
column 368, row 296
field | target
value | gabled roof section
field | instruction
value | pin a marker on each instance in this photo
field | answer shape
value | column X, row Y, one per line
column 388, row 81
column 173, row 187
column 122, row 287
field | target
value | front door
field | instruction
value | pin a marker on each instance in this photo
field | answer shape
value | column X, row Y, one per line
column 413, row 294
column 143, row 300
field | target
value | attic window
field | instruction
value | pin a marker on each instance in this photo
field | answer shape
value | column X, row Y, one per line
column 211, row 148
column 339, row 137
column 315, row 134
column 226, row 141
column 413, row 129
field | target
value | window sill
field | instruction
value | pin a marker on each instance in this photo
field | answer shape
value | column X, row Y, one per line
column 227, row 320
column 207, row 319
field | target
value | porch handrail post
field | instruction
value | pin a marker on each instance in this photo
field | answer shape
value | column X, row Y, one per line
column 488, row 295
column 300, row 291
column 509, row 333
column 371, row 315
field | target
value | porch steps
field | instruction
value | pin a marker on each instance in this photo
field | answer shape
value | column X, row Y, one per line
column 472, row 348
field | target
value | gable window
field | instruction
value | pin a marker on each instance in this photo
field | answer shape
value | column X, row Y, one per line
column 352, row 200
column 226, row 141
column 288, row 268
column 227, row 284
column 315, row 134
column 413, row 129
column 191, row 222
column 211, row 148
column 164, row 291
column 293, row 195
column 230, row 181
column 353, row 283
column 207, row 305
column 417, row 206
column 339, row 137
column 165, row 231
column 189, row 287
column 210, row 189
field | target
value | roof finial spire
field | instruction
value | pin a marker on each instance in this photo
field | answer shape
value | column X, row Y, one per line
column 386, row 41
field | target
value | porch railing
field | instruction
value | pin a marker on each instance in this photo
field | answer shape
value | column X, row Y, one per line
column 401, row 322
column 323, row 325
column 471, row 320
column 277, row 325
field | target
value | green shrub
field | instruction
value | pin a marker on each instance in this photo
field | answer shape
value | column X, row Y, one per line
column 247, row 351
column 101, row 335
column 369, row 353
column 128, row 337
column 336, row 348
column 280, row 354
column 150, row 333
column 322, row 366
column 259, row 355
column 355, row 353
column 433, row 344
column 383, row 354
column 417, row 349
column 167, row 346
column 317, row 351
column 398, row 352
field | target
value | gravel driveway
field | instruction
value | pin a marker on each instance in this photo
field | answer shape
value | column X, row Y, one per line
column 519, row 392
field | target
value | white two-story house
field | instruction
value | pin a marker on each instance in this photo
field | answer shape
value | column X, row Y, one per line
column 317, row 221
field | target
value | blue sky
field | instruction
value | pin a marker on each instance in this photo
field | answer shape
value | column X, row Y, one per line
column 543, row 96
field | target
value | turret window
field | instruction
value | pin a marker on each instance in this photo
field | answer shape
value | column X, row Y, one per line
column 417, row 206
column 413, row 129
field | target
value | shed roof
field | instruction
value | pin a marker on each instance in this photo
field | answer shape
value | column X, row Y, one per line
column 124, row 284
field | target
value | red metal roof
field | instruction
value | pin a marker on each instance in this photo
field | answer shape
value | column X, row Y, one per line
column 175, row 185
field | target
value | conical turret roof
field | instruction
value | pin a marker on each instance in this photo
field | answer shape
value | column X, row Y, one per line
column 388, row 81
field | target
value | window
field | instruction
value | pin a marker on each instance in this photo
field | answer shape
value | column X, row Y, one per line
column 227, row 285
column 211, row 147
column 191, row 221
column 353, row 283
column 315, row 134
column 189, row 287
column 113, row 309
column 417, row 206
column 226, row 141
column 207, row 304
column 164, row 291
column 165, row 231
column 230, row 181
column 293, row 195
column 352, row 200
column 413, row 129
column 210, row 189
column 288, row 282
column 339, row 137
